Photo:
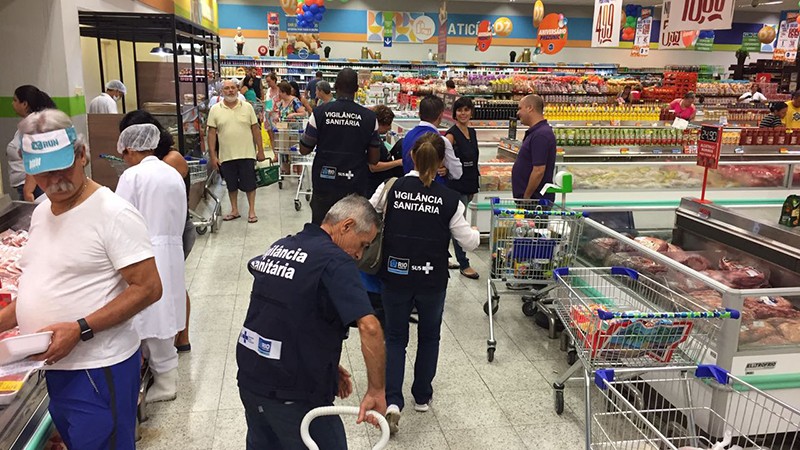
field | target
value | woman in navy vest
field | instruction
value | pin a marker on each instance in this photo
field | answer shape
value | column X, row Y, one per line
column 421, row 218
column 465, row 145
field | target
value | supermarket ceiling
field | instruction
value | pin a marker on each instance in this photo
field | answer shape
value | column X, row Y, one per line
column 741, row 5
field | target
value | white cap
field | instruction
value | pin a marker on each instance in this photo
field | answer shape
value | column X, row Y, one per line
column 117, row 85
column 238, row 28
column 139, row 138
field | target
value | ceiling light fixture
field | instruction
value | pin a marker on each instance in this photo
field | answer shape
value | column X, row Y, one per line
column 161, row 50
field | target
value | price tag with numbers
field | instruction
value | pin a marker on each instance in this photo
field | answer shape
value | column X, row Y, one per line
column 709, row 143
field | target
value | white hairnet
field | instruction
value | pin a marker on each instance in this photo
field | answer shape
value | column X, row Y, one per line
column 139, row 138
column 117, row 85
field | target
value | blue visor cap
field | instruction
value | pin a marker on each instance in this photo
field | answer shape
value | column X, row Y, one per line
column 48, row 152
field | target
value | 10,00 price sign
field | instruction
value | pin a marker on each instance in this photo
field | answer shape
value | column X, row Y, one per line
column 708, row 146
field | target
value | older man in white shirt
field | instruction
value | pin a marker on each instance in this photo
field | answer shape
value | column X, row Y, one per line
column 157, row 190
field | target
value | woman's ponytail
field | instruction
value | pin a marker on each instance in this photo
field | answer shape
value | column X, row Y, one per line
column 428, row 154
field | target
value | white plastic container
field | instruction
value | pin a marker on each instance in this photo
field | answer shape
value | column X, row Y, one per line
column 20, row 347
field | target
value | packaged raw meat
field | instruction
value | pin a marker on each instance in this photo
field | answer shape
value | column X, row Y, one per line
column 767, row 307
column 652, row 243
column 753, row 331
column 673, row 248
column 790, row 330
column 691, row 260
column 737, row 279
column 686, row 283
column 638, row 263
column 600, row 248
column 710, row 297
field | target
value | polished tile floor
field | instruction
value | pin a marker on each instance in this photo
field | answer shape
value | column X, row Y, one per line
column 507, row 404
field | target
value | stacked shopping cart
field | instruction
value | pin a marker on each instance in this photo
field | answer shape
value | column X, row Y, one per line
column 293, row 164
column 644, row 345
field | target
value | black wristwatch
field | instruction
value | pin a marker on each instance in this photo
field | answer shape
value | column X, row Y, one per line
column 86, row 331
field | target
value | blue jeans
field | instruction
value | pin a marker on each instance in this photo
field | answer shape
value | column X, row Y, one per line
column 397, row 307
column 95, row 409
column 461, row 255
column 275, row 424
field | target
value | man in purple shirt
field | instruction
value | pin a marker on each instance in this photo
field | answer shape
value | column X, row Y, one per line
column 536, row 160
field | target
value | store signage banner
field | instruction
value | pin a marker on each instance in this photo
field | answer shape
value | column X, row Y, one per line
column 606, row 23
column 689, row 15
column 291, row 27
column 484, row 36
column 388, row 28
column 676, row 40
column 704, row 44
column 750, row 42
column 788, row 35
column 442, row 38
column 552, row 34
column 409, row 28
column 641, row 41
column 273, row 31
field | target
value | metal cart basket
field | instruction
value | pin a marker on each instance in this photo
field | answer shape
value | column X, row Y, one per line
column 619, row 318
column 286, row 146
column 717, row 411
column 528, row 241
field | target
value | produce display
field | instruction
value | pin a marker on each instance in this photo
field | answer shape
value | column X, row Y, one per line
column 640, row 136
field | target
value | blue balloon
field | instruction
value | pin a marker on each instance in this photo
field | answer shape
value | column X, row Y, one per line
column 308, row 16
column 314, row 8
column 318, row 17
column 322, row 9
column 305, row 7
column 301, row 23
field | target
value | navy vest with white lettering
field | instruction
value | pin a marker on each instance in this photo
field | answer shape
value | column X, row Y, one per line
column 291, row 343
column 344, row 132
column 417, row 234
column 466, row 151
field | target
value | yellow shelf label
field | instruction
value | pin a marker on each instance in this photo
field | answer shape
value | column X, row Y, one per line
column 783, row 150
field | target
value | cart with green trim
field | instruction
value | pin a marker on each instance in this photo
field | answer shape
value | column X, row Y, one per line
column 528, row 240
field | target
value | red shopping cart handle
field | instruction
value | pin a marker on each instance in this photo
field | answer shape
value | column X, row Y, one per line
column 689, row 315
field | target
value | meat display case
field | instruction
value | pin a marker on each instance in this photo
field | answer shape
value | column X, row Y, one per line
column 763, row 347
column 642, row 176
column 24, row 423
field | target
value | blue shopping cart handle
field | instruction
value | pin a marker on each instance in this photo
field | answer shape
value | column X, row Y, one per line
column 202, row 160
column 691, row 315
column 111, row 157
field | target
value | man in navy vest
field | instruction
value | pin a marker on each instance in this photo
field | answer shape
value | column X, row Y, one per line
column 346, row 137
column 307, row 292
column 431, row 109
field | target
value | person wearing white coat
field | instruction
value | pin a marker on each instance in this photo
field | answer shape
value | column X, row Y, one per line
column 158, row 192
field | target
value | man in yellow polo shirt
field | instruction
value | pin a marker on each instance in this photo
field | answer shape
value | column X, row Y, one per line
column 792, row 119
column 236, row 125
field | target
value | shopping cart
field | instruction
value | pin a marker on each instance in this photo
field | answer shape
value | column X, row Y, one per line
column 287, row 148
column 708, row 409
column 304, row 182
column 198, row 174
column 337, row 411
column 616, row 317
column 527, row 245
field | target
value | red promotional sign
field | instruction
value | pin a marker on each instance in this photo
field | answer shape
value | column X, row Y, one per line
column 708, row 146
column 484, row 36
column 685, row 15
column 552, row 34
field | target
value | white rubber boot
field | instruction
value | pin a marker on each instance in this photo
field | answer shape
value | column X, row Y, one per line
column 164, row 388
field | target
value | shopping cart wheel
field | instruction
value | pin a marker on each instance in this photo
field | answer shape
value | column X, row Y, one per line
column 308, row 197
column 529, row 308
column 495, row 306
column 490, row 350
column 572, row 357
column 559, row 392
column 297, row 205
column 202, row 230
column 280, row 184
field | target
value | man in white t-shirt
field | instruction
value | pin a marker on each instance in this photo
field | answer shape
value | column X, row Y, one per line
column 106, row 102
column 87, row 269
column 239, row 40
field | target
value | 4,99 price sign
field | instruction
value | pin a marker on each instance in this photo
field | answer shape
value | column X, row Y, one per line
column 708, row 146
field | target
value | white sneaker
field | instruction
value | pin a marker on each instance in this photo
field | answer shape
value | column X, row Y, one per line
column 424, row 407
column 393, row 417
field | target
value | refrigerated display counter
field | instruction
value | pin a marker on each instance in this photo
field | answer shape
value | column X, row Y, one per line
column 24, row 421
column 724, row 259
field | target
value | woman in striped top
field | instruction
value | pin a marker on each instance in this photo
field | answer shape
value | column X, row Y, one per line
column 777, row 111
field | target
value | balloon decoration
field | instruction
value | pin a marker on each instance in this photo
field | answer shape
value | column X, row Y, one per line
column 309, row 12
column 629, row 18
column 706, row 34
column 688, row 37
column 503, row 27
column 766, row 35
column 262, row 50
column 538, row 13
column 798, row 19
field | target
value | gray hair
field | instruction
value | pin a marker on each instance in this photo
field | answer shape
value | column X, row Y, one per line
column 357, row 208
column 51, row 120
column 324, row 87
